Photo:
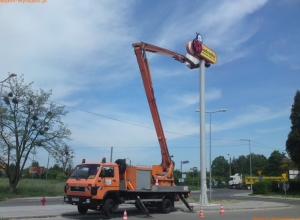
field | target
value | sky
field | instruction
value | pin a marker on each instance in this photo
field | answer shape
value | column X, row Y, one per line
column 82, row 51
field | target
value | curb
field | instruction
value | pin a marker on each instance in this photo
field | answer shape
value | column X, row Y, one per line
column 267, row 197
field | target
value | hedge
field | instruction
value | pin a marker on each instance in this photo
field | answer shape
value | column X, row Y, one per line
column 262, row 187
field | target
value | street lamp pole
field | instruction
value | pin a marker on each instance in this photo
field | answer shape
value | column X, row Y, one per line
column 182, row 162
column 243, row 139
column 221, row 110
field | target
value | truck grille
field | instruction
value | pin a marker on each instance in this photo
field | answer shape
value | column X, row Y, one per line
column 77, row 189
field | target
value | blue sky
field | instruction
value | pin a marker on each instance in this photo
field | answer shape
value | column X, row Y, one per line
column 82, row 50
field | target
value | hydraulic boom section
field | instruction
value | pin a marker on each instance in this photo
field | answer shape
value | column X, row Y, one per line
column 163, row 173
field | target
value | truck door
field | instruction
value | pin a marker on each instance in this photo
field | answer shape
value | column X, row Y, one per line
column 109, row 179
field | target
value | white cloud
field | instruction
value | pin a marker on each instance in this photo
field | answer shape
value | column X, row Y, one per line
column 213, row 94
column 59, row 48
column 270, row 130
column 253, row 115
column 82, row 50
column 221, row 25
column 188, row 99
column 282, row 51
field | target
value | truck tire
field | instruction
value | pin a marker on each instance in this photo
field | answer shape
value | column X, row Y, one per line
column 166, row 206
column 82, row 210
column 108, row 207
column 122, row 165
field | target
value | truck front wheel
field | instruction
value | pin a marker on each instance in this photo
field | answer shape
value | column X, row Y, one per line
column 108, row 207
column 82, row 210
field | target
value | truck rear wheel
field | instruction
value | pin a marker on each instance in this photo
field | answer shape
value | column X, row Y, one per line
column 82, row 210
column 108, row 207
column 166, row 206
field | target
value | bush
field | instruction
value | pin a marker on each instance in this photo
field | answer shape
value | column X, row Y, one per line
column 262, row 187
column 294, row 186
column 61, row 177
column 276, row 186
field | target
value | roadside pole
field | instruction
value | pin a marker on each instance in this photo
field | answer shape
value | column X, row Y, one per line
column 203, row 195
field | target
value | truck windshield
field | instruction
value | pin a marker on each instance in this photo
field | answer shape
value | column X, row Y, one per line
column 86, row 171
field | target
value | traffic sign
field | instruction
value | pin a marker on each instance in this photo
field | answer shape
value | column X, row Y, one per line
column 283, row 175
column 259, row 172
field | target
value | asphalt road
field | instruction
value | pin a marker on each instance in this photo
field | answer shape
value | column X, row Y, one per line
column 216, row 194
column 292, row 211
column 134, row 214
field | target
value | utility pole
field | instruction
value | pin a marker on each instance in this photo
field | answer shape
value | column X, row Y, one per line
column 229, row 165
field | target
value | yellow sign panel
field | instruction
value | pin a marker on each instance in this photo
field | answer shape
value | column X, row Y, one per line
column 208, row 54
column 259, row 172
column 283, row 175
column 201, row 51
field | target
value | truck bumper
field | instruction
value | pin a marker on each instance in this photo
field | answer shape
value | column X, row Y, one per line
column 83, row 201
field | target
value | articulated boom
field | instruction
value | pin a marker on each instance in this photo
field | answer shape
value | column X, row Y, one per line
column 164, row 173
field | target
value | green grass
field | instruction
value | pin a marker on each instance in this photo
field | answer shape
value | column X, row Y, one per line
column 281, row 194
column 214, row 201
column 31, row 188
column 194, row 188
column 41, row 187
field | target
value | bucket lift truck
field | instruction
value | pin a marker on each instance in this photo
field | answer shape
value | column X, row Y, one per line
column 164, row 172
column 103, row 186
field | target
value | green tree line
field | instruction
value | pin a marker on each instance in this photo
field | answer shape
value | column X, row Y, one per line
column 275, row 165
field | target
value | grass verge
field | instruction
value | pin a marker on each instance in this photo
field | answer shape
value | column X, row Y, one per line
column 281, row 194
column 214, row 201
column 31, row 188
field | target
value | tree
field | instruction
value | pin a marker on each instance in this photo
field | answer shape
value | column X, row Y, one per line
column 258, row 162
column 28, row 121
column 287, row 164
column 293, row 141
column 274, row 161
column 237, row 165
column 54, row 171
column 220, row 167
column 177, row 176
column 35, row 163
column 64, row 156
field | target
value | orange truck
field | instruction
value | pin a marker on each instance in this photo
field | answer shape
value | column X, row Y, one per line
column 105, row 185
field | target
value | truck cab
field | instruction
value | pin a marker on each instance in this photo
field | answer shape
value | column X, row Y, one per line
column 235, row 181
column 90, row 184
